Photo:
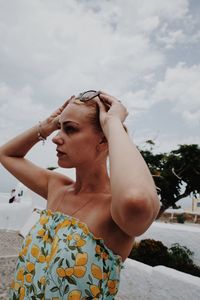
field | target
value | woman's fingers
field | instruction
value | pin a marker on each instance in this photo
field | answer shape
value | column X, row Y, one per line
column 66, row 102
column 108, row 98
column 101, row 105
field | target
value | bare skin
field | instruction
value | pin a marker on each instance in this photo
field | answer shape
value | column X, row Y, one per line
column 115, row 208
column 95, row 212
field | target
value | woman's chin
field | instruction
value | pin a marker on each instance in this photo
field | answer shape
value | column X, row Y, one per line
column 64, row 164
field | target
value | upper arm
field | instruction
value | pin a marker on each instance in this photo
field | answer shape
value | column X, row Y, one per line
column 31, row 175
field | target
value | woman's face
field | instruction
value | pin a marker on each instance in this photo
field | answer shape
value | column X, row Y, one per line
column 76, row 140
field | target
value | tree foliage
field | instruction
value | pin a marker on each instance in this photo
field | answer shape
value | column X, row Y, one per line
column 176, row 174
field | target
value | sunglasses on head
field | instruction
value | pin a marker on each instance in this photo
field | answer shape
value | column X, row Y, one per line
column 88, row 95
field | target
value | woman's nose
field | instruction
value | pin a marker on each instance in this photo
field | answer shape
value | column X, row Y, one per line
column 57, row 139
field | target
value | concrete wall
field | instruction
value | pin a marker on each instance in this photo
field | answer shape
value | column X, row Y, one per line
column 142, row 282
column 185, row 235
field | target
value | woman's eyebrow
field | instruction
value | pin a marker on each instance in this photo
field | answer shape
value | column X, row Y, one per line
column 68, row 122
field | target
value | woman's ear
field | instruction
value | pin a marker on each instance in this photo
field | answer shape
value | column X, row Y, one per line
column 103, row 140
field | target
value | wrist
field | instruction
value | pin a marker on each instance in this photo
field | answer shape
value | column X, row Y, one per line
column 112, row 123
column 46, row 128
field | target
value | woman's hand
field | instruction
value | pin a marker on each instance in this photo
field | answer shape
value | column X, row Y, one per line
column 52, row 122
column 110, row 107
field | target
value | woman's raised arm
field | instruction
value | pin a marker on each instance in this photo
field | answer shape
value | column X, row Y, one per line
column 12, row 155
column 135, row 203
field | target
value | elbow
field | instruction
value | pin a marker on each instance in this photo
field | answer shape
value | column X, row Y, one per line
column 137, row 213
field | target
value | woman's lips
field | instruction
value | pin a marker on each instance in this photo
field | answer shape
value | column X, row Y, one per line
column 60, row 153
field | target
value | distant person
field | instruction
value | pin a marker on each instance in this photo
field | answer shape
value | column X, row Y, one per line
column 18, row 198
column 77, row 248
column 12, row 196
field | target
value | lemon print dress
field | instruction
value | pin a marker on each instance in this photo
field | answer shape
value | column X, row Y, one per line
column 61, row 259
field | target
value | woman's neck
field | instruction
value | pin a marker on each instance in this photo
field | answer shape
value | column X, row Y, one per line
column 92, row 179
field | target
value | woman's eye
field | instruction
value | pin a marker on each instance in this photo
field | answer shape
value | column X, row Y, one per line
column 69, row 129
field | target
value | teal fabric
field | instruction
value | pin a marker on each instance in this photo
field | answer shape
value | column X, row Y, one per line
column 61, row 259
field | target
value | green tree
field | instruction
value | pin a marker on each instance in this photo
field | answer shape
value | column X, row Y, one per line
column 171, row 171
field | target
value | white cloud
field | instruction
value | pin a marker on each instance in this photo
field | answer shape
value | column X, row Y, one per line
column 181, row 86
column 172, row 38
column 53, row 49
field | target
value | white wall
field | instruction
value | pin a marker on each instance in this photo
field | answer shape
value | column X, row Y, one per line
column 142, row 282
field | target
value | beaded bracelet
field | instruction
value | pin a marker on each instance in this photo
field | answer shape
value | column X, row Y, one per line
column 40, row 137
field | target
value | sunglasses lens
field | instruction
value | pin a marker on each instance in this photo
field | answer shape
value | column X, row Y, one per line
column 88, row 95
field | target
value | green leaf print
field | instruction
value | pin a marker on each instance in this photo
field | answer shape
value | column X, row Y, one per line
column 90, row 278
column 21, row 259
column 54, row 289
column 39, row 285
column 40, row 296
column 66, row 290
column 67, row 263
column 88, row 293
column 43, row 252
column 56, row 259
column 71, row 280
column 14, row 297
column 60, row 262
column 72, row 248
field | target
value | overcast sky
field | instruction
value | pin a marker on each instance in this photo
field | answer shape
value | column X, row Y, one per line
column 143, row 52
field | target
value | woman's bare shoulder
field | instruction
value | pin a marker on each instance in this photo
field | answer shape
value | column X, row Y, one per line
column 59, row 179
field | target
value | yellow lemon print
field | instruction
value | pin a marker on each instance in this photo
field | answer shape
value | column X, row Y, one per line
column 76, row 237
column 42, row 259
column 24, row 250
column 54, row 247
column 65, row 223
column 112, row 286
column 111, row 283
column 86, row 230
column 43, row 280
column 81, row 259
column 30, row 266
column 74, row 295
column 60, row 272
column 20, row 274
column 94, row 290
column 29, row 278
column 69, row 237
column 80, row 225
column 80, row 243
column 69, row 271
column 41, row 232
column 22, row 291
column 73, row 221
column 97, row 272
column 79, row 271
column 35, row 251
column 98, row 249
column 104, row 255
column 28, row 240
column 48, row 258
column 45, row 237
column 44, row 220
column 57, row 227
column 17, row 286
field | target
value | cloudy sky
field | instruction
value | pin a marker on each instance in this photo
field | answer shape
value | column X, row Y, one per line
column 143, row 52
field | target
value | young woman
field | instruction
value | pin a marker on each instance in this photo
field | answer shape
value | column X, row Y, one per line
column 77, row 248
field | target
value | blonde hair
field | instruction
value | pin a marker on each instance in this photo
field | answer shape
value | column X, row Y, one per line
column 93, row 115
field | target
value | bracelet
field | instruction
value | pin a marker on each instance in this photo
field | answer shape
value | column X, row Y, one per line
column 40, row 136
